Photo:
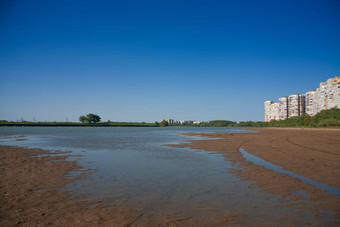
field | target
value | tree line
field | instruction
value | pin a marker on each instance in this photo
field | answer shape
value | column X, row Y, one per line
column 325, row 118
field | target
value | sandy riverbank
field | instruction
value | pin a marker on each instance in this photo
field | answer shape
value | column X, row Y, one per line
column 30, row 195
column 312, row 153
column 22, row 172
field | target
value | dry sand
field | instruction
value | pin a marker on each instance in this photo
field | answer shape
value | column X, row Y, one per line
column 310, row 153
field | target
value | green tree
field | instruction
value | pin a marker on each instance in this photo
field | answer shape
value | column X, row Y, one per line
column 164, row 123
column 92, row 118
column 82, row 119
column 156, row 123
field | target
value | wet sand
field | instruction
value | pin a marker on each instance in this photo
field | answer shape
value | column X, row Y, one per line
column 312, row 153
column 23, row 171
column 30, row 195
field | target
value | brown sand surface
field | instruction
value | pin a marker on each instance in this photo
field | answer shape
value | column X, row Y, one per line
column 30, row 196
column 312, row 153
column 22, row 173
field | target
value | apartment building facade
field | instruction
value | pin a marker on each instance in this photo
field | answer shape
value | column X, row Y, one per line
column 283, row 108
column 267, row 110
column 302, row 104
column 294, row 105
column 325, row 97
column 311, row 103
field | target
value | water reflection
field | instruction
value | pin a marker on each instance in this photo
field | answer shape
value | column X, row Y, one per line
column 131, row 164
column 258, row 161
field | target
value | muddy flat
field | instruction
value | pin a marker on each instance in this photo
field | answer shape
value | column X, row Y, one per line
column 213, row 186
column 312, row 153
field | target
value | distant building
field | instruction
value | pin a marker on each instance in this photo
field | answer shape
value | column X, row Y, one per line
column 293, row 105
column 329, row 94
column 302, row 104
column 311, row 103
column 287, row 107
column 323, row 101
column 187, row 122
column 317, row 101
column 274, row 113
column 267, row 110
column 170, row 121
column 283, row 108
column 325, row 97
column 333, row 93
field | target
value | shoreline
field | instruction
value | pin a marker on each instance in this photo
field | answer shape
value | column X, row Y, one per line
column 314, row 154
column 322, row 150
column 30, row 195
column 31, row 179
column 148, row 125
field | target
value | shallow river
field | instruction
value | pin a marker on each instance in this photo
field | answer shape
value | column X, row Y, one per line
column 133, row 165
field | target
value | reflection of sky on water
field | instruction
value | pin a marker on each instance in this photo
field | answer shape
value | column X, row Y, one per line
column 258, row 161
column 132, row 164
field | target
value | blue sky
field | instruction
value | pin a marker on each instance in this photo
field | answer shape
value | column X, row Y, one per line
column 147, row 60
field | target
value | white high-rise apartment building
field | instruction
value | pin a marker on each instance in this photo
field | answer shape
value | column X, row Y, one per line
column 267, row 110
column 293, row 105
column 323, row 102
column 283, row 108
column 325, row 97
column 274, row 114
column 329, row 94
column 332, row 96
column 272, row 111
column 317, row 101
column 311, row 103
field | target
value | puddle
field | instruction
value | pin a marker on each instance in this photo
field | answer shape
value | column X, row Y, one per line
column 258, row 161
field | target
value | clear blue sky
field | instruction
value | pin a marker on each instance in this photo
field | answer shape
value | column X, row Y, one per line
column 147, row 60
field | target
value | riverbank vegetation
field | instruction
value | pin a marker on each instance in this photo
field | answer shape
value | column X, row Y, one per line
column 326, row 118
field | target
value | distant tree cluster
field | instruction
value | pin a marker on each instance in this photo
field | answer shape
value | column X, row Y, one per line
column 219, row 123
column 90, row 118
column 164, row 123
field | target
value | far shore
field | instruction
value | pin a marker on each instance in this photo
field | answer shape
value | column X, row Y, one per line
column 135, row 124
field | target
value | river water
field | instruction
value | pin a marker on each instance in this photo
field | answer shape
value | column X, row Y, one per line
column 133, row 165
